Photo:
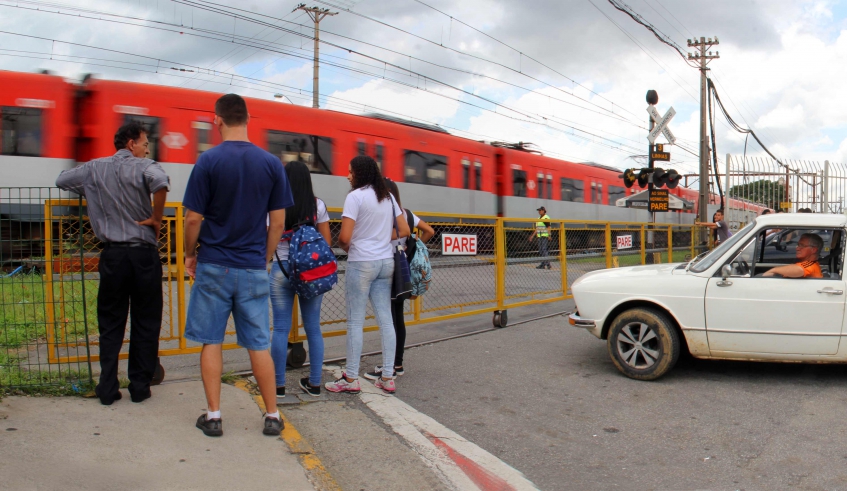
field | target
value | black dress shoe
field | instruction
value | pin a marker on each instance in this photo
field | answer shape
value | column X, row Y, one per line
column 140, row 397
column 107, row 401
column 158, row 375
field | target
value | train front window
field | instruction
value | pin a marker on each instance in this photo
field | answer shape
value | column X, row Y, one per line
column 616, row 193
column 21, row 131
column 152, row 125
column 203, row 133
column 314, row 151
column 572, row 190
column 519, row 183
column 477, row 180
column 466, row 173
column 425, row 168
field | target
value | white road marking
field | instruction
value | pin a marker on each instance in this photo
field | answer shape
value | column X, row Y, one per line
column 420, row 431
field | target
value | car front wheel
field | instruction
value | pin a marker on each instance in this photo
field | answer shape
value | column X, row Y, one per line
column 643, row 343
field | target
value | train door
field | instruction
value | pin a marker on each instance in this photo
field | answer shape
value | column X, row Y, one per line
column 595, row 190
column 544, row 184
column 374, row 148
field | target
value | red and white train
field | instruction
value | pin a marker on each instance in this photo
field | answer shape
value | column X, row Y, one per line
column 49, row 124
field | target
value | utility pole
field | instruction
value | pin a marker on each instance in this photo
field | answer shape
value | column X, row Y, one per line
column 316, row 14
column 703, row 56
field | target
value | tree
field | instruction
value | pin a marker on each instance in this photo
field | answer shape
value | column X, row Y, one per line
column 765, row 192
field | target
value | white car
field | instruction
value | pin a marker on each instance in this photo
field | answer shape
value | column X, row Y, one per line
column 719, row 306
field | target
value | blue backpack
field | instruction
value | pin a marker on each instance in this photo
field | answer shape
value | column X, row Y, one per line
column 312, row 267
column 418, row 257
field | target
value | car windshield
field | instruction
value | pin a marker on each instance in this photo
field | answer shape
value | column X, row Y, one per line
column 719, row 251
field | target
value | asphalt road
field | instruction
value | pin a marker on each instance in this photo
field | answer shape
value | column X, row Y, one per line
column 546, row 399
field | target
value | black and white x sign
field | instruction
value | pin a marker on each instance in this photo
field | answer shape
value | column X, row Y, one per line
column 661, row 125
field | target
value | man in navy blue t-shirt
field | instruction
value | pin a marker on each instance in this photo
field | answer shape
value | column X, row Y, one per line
column 233, row 189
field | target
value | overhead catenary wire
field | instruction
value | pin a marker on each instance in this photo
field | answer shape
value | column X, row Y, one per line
column 590, row 135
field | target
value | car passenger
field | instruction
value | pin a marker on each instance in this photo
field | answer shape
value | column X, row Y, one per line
column 808, row 251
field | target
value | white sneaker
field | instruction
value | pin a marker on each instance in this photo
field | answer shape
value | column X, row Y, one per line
column 342, row 385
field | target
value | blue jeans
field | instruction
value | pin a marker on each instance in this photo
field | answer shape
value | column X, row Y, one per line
column 220, row 291
column 282, row 303
column 369, row 279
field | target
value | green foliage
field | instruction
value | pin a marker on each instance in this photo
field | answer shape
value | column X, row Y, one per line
column 764, row 191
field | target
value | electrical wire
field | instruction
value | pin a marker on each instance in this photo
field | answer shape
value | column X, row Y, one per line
column 664, row 38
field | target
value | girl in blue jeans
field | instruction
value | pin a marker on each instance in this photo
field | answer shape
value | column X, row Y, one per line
column 367, row 224
column 306, row 207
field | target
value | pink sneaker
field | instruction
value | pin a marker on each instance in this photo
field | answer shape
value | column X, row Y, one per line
column 387, row 386
column 342, row 385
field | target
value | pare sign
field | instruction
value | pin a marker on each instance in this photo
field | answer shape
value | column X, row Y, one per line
column 458, row 245
column 624, row 241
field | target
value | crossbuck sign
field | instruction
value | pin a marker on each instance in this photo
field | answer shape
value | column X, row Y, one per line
column 661, row 124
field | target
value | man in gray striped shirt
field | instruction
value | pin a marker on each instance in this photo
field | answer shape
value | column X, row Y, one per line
column 117, row 190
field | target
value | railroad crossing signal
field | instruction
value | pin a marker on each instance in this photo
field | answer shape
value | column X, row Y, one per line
column 661, row 124
column 644, row 176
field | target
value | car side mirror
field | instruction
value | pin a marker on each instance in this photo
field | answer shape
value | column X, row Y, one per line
column 726, row 271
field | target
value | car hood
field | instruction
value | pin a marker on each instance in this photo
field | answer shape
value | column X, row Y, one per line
column 652, row 271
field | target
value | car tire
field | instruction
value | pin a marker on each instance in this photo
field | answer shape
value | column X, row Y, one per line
column 643, row 343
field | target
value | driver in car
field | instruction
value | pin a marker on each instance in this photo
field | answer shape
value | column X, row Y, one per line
column 808, row 251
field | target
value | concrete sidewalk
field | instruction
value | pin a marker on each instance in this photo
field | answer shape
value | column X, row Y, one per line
column 74, row 443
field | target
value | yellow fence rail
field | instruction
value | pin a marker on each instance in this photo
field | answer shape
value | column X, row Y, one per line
column 506, row 272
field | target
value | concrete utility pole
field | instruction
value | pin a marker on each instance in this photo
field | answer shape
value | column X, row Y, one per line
column 703, row 56
column 316, row 14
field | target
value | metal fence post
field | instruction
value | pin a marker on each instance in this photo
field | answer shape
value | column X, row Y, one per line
column 180, row 274
column 670, row 244
column 500, row 262
column 563, row 258
column 82, row 286
column 608, row 245
column 49, row 291
column 643, row 247
column 693, row 253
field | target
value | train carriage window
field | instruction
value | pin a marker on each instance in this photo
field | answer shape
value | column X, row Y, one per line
column 599, row 195
column 153, row 127
column 477, row 175
column 519, row 183
column 425, row 168
column 379, row 154
column 616, row 193
column 314, row 151
column 549, row 186
column 466, row 173
column 540, row 182
column 572, row 190
column 21, row 131
column 203, row 133
column 361, row 148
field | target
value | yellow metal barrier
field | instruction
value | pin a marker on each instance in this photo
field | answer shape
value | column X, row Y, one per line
column 505, row 273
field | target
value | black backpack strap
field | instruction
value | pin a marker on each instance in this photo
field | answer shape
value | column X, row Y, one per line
column 411, row 221
column 279, row 261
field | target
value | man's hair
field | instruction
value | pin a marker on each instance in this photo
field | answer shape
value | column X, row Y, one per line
column 766, row 212
column 232, row 109
column 720, row 210
column 814, row 241
column 127, row 132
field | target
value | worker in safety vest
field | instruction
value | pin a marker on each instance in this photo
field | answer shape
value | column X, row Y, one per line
column 542, row 231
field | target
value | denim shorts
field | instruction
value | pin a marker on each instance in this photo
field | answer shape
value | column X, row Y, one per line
column 220, row 291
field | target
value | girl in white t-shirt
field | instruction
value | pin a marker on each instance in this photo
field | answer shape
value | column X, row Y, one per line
column 367, row 224
column 398, row 306
column 306, row 207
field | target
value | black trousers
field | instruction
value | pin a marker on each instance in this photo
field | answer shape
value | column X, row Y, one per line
column 399, row 329
column 129, row 276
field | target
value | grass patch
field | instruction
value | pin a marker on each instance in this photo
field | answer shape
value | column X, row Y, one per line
column 230, row 377
column 24, row 317
column 631, row 259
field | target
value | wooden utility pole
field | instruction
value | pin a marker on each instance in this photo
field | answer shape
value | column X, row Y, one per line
column 316, row 14
column 703, row 56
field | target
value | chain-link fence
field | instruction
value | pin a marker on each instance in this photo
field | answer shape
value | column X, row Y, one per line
column 49, row 260
column 47, row 293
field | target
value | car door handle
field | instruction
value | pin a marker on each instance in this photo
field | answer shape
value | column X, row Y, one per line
column 724, row 283
column 831, row 291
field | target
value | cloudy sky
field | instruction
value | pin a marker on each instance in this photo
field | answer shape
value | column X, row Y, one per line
column 567, row 75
